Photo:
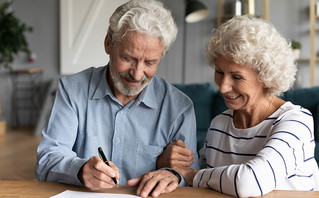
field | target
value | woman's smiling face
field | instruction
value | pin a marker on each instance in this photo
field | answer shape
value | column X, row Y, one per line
column 239, row 84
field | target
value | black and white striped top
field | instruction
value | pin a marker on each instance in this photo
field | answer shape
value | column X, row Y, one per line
column 278, row 153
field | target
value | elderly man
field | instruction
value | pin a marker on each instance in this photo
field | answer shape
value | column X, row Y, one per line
column 123, row 107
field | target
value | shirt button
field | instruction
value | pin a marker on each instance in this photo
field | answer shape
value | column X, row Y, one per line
column 118, row 140
column 159, row 150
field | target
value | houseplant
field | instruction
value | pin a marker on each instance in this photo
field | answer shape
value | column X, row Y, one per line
column 12, row 34
column 296, row 46
column 12, row 41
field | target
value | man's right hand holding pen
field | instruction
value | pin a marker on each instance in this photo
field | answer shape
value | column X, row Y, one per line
column 96, row 175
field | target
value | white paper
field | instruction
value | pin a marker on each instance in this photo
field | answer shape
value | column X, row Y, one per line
column 78, row 194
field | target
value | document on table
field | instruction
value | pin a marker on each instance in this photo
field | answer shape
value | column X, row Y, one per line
column 78, row 194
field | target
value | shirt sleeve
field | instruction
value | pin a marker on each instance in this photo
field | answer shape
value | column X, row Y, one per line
column 289, row 147
column 56, row 161
column 187, row 132
column 185, row 125
column 191, row 139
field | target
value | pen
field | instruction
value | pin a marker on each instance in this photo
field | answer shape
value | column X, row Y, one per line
column 106, row 162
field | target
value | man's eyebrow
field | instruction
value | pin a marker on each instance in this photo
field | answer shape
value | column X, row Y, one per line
column 152, row 60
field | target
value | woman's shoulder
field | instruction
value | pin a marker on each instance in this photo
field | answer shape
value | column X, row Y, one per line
column 291, row 110
column 293, row 119
column 223, row 118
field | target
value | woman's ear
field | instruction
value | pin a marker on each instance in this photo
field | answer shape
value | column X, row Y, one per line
column 107, row 44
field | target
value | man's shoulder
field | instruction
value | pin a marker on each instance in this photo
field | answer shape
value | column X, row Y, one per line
column 82, row 82
column 167, row 91
column 84, row 75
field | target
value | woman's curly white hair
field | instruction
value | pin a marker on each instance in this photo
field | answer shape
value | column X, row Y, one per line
column 252, row 42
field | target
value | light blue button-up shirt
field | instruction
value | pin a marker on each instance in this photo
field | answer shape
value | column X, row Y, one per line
column 86, row 115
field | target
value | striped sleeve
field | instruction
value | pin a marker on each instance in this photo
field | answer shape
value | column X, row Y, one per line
column 284, row 162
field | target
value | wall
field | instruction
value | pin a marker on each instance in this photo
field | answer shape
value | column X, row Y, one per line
column 43, row 16
column 81, row 33
column 289, row 16
column 196, row 65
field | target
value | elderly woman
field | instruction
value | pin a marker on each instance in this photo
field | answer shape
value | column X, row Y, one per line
column 261, row 143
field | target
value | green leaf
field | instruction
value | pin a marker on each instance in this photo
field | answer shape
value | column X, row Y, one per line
column 12, row 34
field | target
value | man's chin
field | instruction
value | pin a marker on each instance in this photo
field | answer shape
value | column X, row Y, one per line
column 131, row 90
column 134, row 84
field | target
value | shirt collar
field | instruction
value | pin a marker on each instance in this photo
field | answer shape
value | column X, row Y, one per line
column 102, row 89
column 147, row 96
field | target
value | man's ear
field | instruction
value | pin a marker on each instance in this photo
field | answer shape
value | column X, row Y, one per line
column 107, row 44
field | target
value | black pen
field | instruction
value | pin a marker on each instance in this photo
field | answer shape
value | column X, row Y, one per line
column 106, row 162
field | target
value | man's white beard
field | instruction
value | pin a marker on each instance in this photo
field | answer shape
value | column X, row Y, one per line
column 126, row 89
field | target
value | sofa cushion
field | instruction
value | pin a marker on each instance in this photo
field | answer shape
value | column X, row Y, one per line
column 317, row 152
column 315, row 115
column 305, row 97
column 219, row 105
column 316, row 132
column 202, row 96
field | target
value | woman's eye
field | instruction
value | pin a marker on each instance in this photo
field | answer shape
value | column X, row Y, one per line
column 238, row 77
column 219, row 72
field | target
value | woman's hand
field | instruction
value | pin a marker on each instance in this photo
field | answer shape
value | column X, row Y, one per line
column 175, row 154
column 188, row 174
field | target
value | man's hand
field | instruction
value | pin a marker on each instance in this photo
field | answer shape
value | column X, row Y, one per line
column 155, row 183
column 175, row 154
column 96, row 175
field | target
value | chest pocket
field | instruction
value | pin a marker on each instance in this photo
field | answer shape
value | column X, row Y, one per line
column 146, row 158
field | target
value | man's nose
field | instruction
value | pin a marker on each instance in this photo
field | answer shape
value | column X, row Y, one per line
column 137, row 72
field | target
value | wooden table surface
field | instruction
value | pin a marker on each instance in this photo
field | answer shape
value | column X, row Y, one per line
column 37, row 189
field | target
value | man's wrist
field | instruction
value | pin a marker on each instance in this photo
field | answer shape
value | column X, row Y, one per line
column 175, row 173
column 80, row 174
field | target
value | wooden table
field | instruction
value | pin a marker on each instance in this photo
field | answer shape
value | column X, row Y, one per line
column 37, row 189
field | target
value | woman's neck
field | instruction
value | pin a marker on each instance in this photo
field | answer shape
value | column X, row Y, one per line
column 245, row 119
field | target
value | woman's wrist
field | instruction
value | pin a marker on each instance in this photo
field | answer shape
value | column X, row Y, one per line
column 189, row 176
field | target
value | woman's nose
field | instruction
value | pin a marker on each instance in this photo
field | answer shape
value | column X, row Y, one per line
column 225, row 85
